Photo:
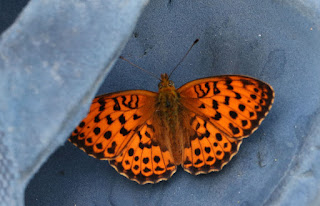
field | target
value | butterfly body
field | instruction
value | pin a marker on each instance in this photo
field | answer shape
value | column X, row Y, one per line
column 200, row 126
column 168, row 114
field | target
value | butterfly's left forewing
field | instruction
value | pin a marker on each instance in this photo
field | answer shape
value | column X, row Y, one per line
column 222, row 110
column 112, row 122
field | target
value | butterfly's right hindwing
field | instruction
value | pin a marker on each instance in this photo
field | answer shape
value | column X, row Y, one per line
column 209, row 149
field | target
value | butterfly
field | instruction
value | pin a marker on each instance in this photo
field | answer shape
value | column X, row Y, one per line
column 145, row 135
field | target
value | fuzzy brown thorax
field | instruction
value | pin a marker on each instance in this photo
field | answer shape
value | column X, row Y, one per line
column 168, row 101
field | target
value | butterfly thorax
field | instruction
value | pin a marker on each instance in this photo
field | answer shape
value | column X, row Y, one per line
column 167, row 110
column 167, row 102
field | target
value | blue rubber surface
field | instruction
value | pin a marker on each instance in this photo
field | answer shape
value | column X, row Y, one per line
column 269, row 40
column 53, row 59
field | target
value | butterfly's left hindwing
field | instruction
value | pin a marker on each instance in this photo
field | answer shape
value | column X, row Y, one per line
column 143, row 160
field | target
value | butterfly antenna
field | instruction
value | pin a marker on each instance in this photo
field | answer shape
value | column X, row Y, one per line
column 196, row 41
column 146, row 71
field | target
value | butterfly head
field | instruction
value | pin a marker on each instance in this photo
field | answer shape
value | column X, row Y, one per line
column 165, row 82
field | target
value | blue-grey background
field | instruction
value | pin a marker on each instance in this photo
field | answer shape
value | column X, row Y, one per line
column 53, row 58
column 275, row 41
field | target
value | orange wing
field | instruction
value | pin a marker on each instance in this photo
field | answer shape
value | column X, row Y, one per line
column 112, row 121
column 119, row 128
column 223, row 110
column 142, row 160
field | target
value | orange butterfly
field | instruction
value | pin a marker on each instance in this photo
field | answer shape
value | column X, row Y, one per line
column 145, row 135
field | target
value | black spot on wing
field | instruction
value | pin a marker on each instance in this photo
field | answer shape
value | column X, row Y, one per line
column 124, row 131
column 122, row 119
column 132, row 102
column 228, row 81
column 109, row 120
column 135, row 116
column 81, row 124
column 96, row 119
column 235, row 130
column 96, row 130
column 202, row 91
column 242, row 107
column 107, row 135
column 217, row 116
column 214, row 104
column 226, row 100
column 215, row 89
column 238, row 96
column 233, row 114
column 116, row 106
